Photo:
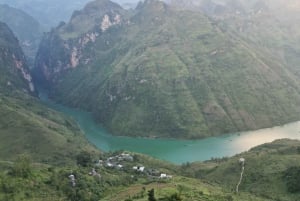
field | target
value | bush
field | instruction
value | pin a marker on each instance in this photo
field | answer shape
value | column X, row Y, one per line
column 292, row 177
column 298, row 150
column 151, row 196
column 173, row 197
column 84, row 159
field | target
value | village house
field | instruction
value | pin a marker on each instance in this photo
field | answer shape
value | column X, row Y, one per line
column 138, row 168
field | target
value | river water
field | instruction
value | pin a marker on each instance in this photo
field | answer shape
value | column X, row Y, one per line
column 177, row 151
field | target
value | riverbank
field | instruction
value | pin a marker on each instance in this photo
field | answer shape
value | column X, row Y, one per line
column 177, row 151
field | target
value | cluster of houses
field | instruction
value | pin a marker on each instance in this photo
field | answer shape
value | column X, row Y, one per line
column 121, row 162
column 115, row 161
column 118, row 163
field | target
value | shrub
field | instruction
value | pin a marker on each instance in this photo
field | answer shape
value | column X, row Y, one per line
column 84, row 159
column 151, row 196
column 292, row 177
column 173, row 197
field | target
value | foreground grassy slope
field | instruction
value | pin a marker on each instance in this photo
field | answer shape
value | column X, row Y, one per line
column 48, row 183
column 29, row 127
column 265, row 178
column 270, row 171
column 166, row 72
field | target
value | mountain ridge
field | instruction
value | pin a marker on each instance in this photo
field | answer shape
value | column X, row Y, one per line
column 171, row 73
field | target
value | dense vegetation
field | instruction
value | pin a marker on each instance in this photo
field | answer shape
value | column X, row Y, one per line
column 26, row 180
column 271, row 171
column 26, row 125
column 160, row 71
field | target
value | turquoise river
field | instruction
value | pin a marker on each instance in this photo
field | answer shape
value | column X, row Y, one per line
column 177, row 151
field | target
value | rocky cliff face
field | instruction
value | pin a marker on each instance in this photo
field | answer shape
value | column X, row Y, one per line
column 168, row 72
column 14, row 70
column 72, row 42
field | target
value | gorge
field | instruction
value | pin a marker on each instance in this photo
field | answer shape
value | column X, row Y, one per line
column 172, row 150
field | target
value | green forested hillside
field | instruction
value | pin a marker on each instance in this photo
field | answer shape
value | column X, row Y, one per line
column 271, row 173
column 27, row 126
column 272, row 26
column 160, row 71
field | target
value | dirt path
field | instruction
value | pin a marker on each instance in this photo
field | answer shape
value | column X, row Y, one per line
column 241, row 177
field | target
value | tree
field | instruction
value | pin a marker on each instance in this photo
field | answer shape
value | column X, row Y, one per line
column 84, row 158
column 292, row 177
column 151, row 196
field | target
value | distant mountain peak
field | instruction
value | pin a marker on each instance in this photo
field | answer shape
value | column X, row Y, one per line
column 151, row 4
column 98, row 15
column 101, row 5
column 151, row 10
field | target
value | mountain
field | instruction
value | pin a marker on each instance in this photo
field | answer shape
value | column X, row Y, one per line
column 169, row 72
column 26, row 125
column 25, row 27
column 48, row 13
column 270, row 26
column 14, row 69
column 127, row 4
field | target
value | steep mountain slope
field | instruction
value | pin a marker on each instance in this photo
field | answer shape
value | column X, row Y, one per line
column 25, row 27
column 27, row 126
column 160, row 71
column 271, row 26
column 14, row 70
